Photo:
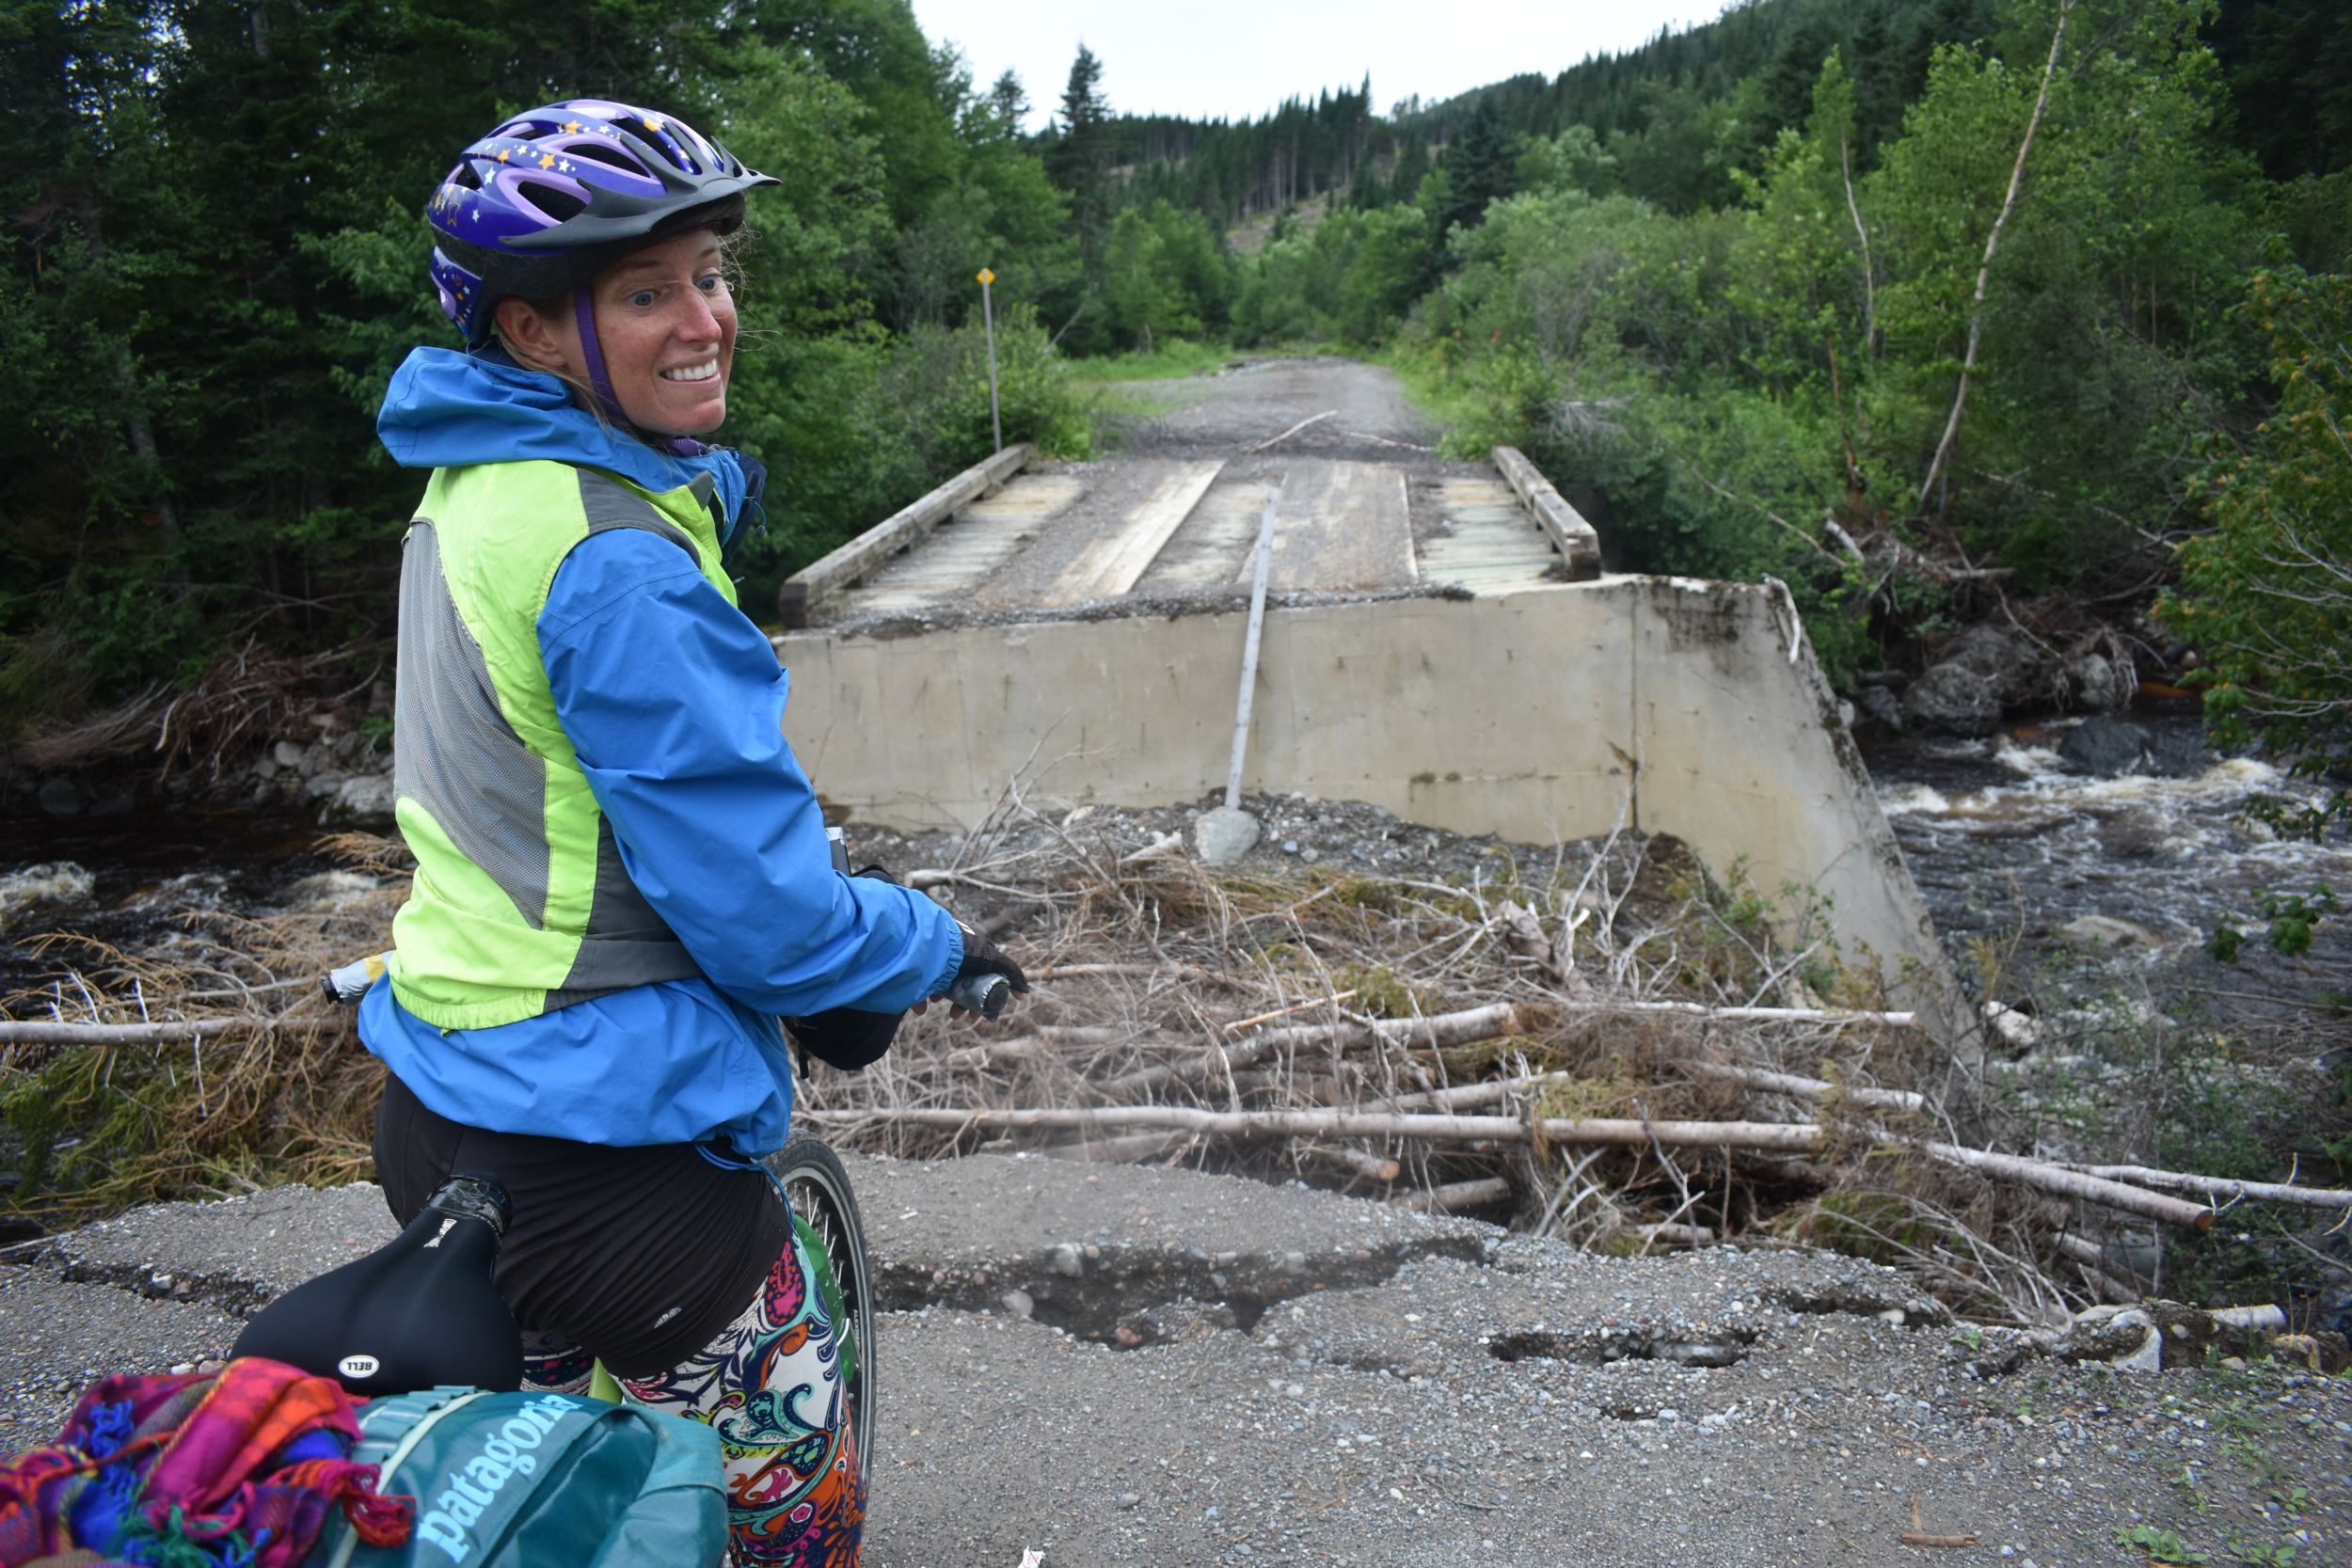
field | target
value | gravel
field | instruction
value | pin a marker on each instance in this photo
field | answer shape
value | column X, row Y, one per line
column 1294, row 831
column 1319, row 1379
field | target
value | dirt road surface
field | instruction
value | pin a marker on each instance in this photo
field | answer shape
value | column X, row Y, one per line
column 1118, row 1366
column 1360, row 412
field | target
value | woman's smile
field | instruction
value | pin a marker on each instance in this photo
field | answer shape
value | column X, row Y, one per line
column 666, row 323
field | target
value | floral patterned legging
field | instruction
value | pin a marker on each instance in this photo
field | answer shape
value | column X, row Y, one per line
column 770, row 1384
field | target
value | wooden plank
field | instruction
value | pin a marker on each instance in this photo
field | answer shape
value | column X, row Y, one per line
column 1493, row 543
column 803, row 594
column 969, row 548
column 1108, row 566
column 1345, row 529
column 1579, row 546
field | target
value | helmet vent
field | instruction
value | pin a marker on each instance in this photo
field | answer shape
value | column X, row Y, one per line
column 557, row 204
column 605, row 152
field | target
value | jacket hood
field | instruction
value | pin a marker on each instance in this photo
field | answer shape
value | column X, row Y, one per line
column 446, row 410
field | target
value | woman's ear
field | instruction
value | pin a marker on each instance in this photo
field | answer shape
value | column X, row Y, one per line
column 537, row 341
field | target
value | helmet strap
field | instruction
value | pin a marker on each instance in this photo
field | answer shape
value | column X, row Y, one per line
column 600, row 382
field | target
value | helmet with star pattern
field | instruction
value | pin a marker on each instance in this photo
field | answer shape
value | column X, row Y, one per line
column 554, row 196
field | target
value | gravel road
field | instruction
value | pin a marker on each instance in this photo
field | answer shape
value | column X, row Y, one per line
column 1123, row 1366
column 1256, row 400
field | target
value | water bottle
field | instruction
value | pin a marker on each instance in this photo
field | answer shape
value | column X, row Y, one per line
column 419, row 1312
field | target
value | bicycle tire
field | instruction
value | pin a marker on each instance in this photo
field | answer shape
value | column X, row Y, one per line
column 825, row 1210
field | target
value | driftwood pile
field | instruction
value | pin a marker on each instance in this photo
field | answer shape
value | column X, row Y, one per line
column 1604, row 1045
column 1599, row 1043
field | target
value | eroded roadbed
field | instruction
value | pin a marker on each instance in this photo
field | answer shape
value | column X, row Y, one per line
column 1122, row 1366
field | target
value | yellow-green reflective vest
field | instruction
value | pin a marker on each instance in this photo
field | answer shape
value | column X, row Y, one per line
column 520, row 904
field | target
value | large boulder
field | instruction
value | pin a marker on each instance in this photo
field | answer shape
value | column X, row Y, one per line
column 2105, row 746
column 365, row 797
column 1955, row 699
column 2016, row 667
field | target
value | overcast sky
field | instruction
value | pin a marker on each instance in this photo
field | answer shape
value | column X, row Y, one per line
column 1239, row 58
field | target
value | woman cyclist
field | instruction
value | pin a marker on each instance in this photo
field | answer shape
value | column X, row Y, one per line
column 622, row 880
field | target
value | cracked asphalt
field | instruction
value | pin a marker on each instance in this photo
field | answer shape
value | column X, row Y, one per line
column 1313, row 1379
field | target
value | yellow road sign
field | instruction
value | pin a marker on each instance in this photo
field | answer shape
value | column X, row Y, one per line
column 987, row 276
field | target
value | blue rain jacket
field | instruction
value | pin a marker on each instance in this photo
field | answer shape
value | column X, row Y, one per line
column 674, row 702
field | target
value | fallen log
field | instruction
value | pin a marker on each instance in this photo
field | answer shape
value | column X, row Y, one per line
column 1809, row 1088
column 1626, row 1131
column 2219, row 1187
column 1332, row 1001
column 1371, row 1167
column 28, row 1032
column 1667, row 1233
column 1738, row 1015
column 1457, row 1098
column 2072, row 1183
column 1629, row 1131
column 1435, row 1031
column 1132, row 1150
column 1139, row 971
column 1455, row 1196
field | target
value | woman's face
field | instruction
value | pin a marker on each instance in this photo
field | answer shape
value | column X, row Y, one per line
column 667, row 327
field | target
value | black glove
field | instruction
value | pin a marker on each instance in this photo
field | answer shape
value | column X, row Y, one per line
column 844, row 1036
column 983, row 957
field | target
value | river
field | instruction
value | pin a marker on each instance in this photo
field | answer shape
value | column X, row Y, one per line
column 145, row 880
column 2083, row 881
column 2009, row 849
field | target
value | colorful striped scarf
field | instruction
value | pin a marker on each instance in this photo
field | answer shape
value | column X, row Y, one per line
column 230, row 1470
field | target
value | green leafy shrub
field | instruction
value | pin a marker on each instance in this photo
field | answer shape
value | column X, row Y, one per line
column 2267, row 597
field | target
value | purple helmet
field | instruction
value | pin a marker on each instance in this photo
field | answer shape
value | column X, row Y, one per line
column 553, row 196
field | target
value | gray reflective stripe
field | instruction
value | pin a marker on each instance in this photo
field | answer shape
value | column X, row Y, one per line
column 611, row 504
column 458, row 757
column 627, row 944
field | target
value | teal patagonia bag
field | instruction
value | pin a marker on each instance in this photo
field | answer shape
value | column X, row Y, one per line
column 537, row 1481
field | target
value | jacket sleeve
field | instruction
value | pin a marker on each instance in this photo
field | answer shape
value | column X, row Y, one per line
column 674, row 703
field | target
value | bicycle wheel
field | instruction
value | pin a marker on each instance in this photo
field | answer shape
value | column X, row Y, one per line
column 824, row 1212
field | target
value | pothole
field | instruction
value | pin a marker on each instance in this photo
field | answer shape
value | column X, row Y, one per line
column 1599, row 1347
column 238, row 1298
column 1127, row 1298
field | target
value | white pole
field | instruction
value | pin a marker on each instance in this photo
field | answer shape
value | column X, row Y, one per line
column 988, row 318
column 1250, row 652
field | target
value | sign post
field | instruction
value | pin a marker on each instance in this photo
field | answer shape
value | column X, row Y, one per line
column 988, row 318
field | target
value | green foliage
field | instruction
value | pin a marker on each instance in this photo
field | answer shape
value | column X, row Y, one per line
column 2263, row 596
column 1724, row 283
column 859, row 423
column 2291, row 917
column 1171, row 361
column 1480, row 168
column 1571, row 161
column 2161, row 1546
column 937, row 382
column 1163, row 276
column 1350, row 279
column 216, row 260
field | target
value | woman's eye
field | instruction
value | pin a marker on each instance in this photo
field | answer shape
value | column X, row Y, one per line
column 642, row 298
column 710, row 283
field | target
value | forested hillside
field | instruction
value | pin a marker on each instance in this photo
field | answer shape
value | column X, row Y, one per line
column 214, row 255
column 1917, row 305
column 1904, row 302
